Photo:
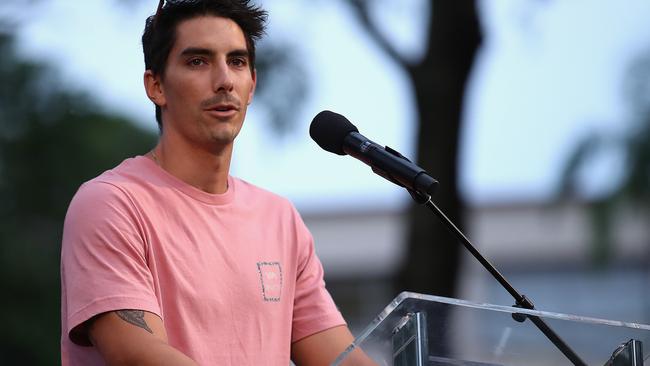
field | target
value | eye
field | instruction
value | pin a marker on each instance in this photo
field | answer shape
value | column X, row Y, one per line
column 196, row 62
column 238, row 62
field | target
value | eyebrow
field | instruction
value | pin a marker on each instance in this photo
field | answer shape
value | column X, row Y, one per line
column 200, row 51
column 197, row 51
column 239, row 53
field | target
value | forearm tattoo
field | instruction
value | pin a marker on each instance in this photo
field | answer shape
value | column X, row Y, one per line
column 135, row 317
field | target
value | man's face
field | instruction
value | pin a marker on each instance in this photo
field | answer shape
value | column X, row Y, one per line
column 208, row 83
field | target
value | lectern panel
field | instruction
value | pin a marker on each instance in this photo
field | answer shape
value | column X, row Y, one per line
column 460, row 332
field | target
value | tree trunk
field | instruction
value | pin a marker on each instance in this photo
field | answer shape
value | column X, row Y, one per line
column 439, row 82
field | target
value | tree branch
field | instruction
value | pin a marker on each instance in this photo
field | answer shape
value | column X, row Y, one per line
column 360, row 7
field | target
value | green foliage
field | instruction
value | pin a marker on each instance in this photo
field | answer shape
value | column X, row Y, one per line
column 282, row 84
column 51, row 140
column 634, row 144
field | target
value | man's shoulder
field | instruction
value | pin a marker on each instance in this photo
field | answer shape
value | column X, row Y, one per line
column 113, row 183
column 101, row 204
column 247, row 188
column 251, row 192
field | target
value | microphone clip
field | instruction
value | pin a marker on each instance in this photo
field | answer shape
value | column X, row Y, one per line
column 418, row 197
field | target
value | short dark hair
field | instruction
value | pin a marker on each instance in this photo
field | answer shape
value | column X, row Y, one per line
column 160, row 29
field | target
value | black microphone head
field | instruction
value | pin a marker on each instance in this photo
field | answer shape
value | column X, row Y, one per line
column 329, row 129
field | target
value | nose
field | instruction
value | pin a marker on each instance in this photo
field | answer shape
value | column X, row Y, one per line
column 222, row 78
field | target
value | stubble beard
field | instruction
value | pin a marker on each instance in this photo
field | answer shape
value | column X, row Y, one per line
column 221, row 137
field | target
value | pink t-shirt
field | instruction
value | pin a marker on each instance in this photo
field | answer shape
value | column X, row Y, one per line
column 234, row 276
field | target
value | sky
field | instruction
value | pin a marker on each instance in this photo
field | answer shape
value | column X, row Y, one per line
column 548, row 73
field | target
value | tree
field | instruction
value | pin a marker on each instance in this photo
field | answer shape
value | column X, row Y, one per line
column 51, row 140
column 633, row 187
column 439, row 80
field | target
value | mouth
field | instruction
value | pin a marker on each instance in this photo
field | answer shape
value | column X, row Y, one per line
column 224, row 107
column 222, row 110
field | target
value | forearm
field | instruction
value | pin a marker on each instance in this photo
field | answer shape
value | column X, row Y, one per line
column 134, row 337
column 156, row 353
column 322, row 348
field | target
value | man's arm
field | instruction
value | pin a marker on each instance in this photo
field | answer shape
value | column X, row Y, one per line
column 134, row 337
column 322, row 349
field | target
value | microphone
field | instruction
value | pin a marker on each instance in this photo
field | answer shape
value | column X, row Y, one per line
column 334, row 133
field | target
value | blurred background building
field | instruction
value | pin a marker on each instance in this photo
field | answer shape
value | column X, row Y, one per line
column 534, row 115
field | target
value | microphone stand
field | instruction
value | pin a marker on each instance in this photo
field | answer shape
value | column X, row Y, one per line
column 521, row 301
column 423, row 196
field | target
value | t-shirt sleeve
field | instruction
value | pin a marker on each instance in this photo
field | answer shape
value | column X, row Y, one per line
column 103, row 259
column 314, row 310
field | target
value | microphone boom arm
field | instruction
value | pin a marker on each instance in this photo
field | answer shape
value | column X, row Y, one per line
column 520, row 300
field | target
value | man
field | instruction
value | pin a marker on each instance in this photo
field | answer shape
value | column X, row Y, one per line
column 169, row 260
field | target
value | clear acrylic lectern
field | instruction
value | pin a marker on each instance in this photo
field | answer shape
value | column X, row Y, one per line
column 421, row 330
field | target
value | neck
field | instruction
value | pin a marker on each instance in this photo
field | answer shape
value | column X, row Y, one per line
column 204, row 169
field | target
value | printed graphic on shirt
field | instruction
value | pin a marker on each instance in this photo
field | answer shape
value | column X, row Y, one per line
column 270, row 279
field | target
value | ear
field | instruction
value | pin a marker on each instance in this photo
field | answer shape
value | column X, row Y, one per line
column 252, row 92
column 153, row 87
